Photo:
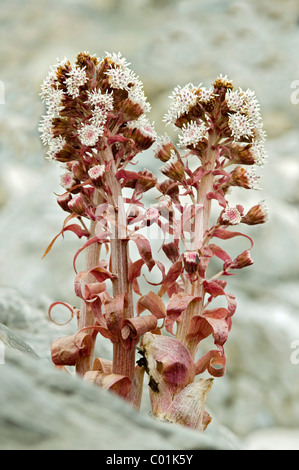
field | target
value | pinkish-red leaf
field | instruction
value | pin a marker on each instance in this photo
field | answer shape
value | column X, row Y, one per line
column 219, row 196
column 199, row 329
column 224, row 234
column 213, row 361
column 134, row 328
column 72, row 228
column 176, row 306
column 174, row 272
column 114, row 313
column 144, row 248
column 66, row 350
column 153, row 303
column 220, row 253
column 74, row 311
column 118, row 384
column 97, row 239
column 101, row 273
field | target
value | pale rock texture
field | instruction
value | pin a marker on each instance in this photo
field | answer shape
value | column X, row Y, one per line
column 169, row 43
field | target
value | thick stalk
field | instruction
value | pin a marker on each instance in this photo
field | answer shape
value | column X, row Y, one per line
column 86, row 317
column 201, row 224
column 123, row 359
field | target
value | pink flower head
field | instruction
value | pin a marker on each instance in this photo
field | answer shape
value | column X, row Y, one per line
column 67, row 180
column 96, row 174
column 230, row 216
column 89, row 134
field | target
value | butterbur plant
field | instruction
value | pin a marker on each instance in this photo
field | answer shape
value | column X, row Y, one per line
column 96, row 126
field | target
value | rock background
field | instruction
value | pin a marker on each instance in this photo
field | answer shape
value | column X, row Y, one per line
column 168, row 42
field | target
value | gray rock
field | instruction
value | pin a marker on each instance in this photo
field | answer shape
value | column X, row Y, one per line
column 168, row 43
column 46, row 409
column 11, row 340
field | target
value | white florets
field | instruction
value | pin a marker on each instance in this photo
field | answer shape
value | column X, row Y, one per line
column 45, row 128
column 144, row 126
column 206, row 95
column 240, row 126
column 89, row 134
column 182, row 100
column 192, row 134
column 231, row 215
column 97, row 171
column 67, row 180
column 75, row 79
column 259, row 153
column 102, row 100
column 55, row 146
column 102, row 104
column 252, row 178
column 234, row 100
column 121, row 77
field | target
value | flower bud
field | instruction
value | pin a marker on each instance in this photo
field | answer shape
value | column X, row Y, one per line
column 174, row 169
column 244, row 178
column 96, row 174
column 68, row 181
column 76, row 205
column 141, row 132
column 165, row 149
column 191, row 261
column 63, row 201
column 78, row 171
column 242, row 261
column 221, row 85
column 258, row 214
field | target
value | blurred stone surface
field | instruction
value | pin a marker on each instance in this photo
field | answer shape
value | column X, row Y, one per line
column 45, row 409
column 169, row 43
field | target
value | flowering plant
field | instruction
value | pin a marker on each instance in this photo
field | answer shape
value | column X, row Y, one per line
column 95, row 126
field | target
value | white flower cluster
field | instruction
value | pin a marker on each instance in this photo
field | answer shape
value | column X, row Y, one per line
column 89, row 134
column 231, row 215
column 56, row 144
column 182, row 100
column 252, row 178
column 102, row 104
column 143, row 125
column 192, row 133
column 245, row 120
column 120, row 76
column 240, row 126
column 52, row 96
column 76, row 78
